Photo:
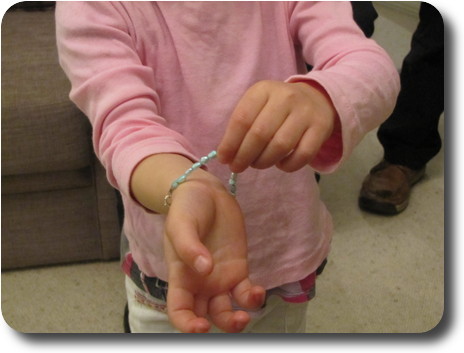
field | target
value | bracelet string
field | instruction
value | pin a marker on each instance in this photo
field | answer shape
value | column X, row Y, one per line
column 203, row 160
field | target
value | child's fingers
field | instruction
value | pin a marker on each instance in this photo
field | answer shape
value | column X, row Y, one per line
column 222, row 315
column 259, row 135
column 186, row 321
column 248, row 296
column 240, row 122
column 201, row 305
column 180, row 304
column 304, row 152
column 283, row 142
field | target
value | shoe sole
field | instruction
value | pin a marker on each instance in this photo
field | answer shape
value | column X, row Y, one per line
column 385, row 208
column 381, row 207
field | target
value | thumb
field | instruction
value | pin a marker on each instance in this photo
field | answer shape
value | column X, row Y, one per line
column 185, row 241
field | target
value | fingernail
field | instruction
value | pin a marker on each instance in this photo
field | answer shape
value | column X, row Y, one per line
column 201, row 264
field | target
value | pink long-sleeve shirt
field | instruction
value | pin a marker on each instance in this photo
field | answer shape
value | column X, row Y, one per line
column 164, row 77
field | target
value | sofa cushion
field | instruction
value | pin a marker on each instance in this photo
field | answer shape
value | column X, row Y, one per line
column 45, row 228
column 42, row 131
column 25, row 183
column 33, row 5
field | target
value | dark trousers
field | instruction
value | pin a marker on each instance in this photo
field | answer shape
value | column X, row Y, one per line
column 410, row 135
column 364, row 14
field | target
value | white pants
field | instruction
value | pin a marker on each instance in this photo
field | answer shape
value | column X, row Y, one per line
column 148, row 315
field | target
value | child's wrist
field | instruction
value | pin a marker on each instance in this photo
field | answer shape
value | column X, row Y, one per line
column 195, row 169
column 200, row 183
column 183, row 178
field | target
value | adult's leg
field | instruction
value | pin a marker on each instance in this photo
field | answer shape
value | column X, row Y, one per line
column 364, row 14
column 410, row 135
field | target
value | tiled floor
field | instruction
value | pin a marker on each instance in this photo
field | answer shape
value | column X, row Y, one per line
column 385, row 274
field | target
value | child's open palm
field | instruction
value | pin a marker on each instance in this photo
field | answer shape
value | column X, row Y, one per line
column 206, row 251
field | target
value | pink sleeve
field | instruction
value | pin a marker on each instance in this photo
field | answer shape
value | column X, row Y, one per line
column 357, row 74
column 113, row 88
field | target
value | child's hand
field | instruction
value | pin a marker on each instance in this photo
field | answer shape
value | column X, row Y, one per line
column 206, row 252
column 276, row 123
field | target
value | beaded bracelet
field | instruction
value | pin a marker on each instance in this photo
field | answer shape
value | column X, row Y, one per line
column 203, row 160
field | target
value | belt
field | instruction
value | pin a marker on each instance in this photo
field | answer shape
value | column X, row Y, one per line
column 152, row 285
column 158, row 288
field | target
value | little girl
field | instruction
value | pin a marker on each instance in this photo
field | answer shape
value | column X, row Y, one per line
column 167, row 83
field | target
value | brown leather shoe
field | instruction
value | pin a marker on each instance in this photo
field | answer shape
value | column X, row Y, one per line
column 387, row 188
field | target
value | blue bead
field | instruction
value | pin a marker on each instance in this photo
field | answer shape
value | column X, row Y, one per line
column 233, row 183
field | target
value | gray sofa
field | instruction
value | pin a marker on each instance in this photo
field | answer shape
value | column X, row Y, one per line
column 57, row 206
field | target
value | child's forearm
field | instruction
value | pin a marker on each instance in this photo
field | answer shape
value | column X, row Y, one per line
column 152, row 179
